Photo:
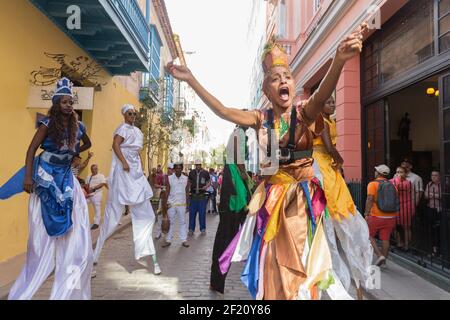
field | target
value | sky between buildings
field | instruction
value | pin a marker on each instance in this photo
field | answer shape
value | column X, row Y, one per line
column 216, row 30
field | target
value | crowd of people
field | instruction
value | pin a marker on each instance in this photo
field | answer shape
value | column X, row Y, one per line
column 392, row 206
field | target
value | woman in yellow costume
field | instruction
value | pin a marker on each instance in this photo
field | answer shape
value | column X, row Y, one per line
column 283, row 238
column 346, row 225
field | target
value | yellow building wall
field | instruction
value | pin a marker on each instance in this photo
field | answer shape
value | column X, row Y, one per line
column 26, row 34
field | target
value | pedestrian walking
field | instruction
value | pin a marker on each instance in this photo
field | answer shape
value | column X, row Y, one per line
column 236, row 193
column 59, row 237
column 382, row 207
column 177, row 190
column 162, row 210
column 199, row 182
column 129, row 186
column 96, row 182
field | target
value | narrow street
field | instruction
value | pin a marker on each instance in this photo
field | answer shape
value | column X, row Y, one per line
column 186, row 271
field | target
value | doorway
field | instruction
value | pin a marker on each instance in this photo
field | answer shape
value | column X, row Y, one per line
column 413, row 127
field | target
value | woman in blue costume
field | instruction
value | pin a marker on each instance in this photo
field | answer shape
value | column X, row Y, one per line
column 59, row 236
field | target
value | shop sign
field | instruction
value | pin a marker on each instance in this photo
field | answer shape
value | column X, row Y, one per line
column 41, row 97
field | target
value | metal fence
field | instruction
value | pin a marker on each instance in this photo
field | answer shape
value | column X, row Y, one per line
column 422, row 233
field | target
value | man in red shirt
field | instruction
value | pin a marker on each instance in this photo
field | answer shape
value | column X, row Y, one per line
column 159, row 177
column 160, row 184
column 378, row 221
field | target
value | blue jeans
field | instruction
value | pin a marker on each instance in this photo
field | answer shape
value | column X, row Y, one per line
column 200, row 207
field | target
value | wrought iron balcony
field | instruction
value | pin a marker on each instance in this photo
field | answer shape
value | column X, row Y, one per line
column 114, row 32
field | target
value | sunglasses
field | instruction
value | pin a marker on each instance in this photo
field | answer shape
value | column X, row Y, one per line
column 131, row 113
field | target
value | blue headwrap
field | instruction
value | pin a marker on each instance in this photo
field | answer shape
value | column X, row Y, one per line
column 63, row 88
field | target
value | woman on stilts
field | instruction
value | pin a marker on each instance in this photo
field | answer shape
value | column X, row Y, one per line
column 234, row 197
column 129, row 186
column 283, row 238
column 346, row 226
column 59, row 233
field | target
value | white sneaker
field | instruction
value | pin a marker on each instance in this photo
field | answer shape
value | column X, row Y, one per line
column 380, row 261
column 93, row 273
column 156, row 269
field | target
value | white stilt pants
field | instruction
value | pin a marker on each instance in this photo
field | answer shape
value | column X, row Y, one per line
column 142, row 217
column 70, row 255
column 96, row 201
column 177, row 213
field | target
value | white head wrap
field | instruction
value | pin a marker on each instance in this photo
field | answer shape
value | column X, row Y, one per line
column 127, row 107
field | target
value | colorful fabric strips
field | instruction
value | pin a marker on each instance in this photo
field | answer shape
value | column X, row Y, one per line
column 271, row 199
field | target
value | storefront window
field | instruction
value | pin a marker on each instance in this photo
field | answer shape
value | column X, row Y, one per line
column 371, row 63
column 404, row 42
column 447, row 196
column 444, row 25
column 409, row 41
column 375, row 131
column 447, row 156
column 446, row 93
column 444, row 7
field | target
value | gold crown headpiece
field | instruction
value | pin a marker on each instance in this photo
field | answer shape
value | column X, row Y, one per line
column 273, row 56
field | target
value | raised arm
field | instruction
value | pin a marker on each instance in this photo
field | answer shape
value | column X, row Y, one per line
column 349, row 47
column 237, row 116
column 86, row 162
column 38, row 138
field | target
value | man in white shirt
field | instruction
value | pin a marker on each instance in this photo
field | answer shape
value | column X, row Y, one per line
column 177, row 190
column 96, row 182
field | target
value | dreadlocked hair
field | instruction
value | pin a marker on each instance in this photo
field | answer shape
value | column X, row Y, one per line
column 56, row 129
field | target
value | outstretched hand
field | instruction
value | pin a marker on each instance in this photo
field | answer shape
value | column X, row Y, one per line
column 179, row 72
column 351, row 45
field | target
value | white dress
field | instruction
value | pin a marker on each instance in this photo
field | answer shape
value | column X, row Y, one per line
column 132, row 189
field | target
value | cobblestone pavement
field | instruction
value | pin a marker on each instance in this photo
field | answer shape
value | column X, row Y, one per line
column 185, row 271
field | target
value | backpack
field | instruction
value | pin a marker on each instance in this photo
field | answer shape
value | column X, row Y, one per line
column 387, row 198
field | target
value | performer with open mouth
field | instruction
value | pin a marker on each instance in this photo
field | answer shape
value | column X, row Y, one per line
column 283, row 238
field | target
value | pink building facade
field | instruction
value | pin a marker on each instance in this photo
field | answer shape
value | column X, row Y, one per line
column 310, row 31
column 393, row 100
